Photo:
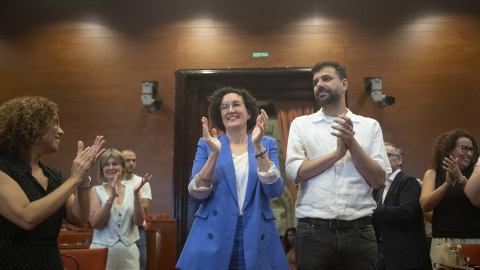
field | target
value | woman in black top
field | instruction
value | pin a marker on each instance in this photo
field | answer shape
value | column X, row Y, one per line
column 456, row 220
column 34, row 199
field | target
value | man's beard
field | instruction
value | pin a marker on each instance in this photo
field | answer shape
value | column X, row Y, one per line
column 333, row 98
column 130, row 170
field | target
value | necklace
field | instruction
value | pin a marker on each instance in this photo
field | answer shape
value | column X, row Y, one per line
column 109, row 190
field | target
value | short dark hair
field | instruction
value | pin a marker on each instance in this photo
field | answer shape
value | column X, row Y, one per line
column 444, row 145
column 340, row 70
column 215, row 100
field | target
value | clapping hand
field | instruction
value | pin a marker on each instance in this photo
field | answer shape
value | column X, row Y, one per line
column 261, row 126
column 211, row 140
column 145, row 179
column 85, row 158
column 345, row 129
column 450, row 164
column 113, row 185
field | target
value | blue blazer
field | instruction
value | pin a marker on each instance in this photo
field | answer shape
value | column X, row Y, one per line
column 210, row 242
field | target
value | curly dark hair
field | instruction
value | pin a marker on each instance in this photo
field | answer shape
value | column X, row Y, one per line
column 287, row 244
column 340, row 70
column 23, row 122
column 215, row 100
column 444, row 145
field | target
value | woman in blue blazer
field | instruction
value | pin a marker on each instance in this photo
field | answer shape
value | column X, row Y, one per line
column 233, row 177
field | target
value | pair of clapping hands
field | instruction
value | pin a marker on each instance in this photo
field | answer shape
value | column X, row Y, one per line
column 85, row 159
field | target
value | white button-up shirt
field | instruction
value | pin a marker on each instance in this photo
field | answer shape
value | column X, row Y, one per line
column 388, row 183
column 339, row 192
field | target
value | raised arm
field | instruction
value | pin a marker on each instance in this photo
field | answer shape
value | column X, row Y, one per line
column 205, row 176
column 139, row 212
column 16, row 207
column 78, row 204
column 99, row 215
column 371, row 170
column 431, row 197
column 312, row 168
column 298, row 167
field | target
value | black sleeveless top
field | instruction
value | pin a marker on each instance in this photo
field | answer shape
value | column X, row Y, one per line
column 37, row 248
column 455, row 216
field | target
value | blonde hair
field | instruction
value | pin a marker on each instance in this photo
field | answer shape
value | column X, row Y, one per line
column 117, row 156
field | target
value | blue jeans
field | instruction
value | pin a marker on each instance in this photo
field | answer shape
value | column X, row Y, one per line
column 320, row 246
column 142, row 247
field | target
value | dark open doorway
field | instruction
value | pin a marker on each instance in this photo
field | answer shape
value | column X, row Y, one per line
column 192, row 88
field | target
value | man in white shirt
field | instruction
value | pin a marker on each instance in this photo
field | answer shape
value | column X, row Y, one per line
column 145, row 194
column 336, row 158
column 398, row 219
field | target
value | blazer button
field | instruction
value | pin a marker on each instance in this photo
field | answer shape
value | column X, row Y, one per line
column 262, row 237
column 210, row 236
column 214, row 212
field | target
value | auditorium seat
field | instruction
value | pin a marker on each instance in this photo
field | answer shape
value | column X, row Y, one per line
column 91, row 259
column 473, row 252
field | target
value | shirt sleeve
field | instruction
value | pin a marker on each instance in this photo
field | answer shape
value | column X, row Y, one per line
column 146, row 192
column 296, row 153
column 199, row 193
column 378, row 152
column 271, row 176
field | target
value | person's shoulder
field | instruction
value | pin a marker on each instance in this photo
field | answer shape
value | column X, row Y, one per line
column 406, row 177
column 306, row 117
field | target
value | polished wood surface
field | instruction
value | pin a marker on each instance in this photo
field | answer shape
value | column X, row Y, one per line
column 92, row 58
column 73, row 246
column 168, row 247
column 154, row 241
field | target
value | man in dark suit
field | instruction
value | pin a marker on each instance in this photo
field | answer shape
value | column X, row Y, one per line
column 398, row 219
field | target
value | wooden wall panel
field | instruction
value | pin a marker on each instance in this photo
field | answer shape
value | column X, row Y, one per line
column 91, row 58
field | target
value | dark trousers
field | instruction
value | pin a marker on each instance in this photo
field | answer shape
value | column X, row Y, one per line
column 335, row 244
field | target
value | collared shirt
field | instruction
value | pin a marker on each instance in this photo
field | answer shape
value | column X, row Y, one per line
column 389, row 182
column 339, row 192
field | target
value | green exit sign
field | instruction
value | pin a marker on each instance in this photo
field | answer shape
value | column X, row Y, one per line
column 260, row 54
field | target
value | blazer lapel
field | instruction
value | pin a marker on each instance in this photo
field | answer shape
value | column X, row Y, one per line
column 393, row 185
column 252, row 173
column 380, row 195
column 225, row 162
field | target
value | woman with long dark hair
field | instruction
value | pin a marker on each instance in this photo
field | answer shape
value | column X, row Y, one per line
column 289, row 246
column 446, row 190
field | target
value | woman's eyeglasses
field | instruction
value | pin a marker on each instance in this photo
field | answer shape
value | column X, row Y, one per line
column 236, row 106
column 465, row 149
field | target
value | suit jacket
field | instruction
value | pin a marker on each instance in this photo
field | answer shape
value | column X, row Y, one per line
column 210, row 242
column 398, row 224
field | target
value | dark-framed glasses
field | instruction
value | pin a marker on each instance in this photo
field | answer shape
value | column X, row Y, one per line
column 236, row 106
column 392, row 155
column 465, row 149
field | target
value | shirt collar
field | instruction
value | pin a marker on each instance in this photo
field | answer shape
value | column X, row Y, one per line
column 320, row 116
column 394, row 174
